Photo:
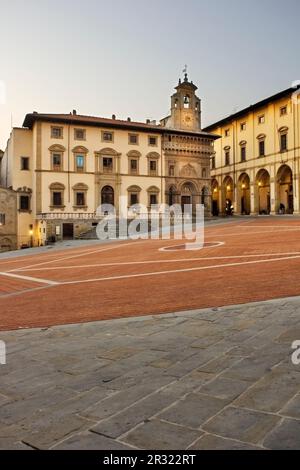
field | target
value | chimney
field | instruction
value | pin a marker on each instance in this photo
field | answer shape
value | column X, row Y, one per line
column 74, row 112
column 148, row 121
column 113, row 117
column 129, row 119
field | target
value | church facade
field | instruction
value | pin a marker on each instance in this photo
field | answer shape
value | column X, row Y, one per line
column 64, row 166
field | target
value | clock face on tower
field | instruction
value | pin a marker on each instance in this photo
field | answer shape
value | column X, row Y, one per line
column 188, row 121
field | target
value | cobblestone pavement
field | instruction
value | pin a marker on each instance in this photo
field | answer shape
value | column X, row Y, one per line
column 208, row 379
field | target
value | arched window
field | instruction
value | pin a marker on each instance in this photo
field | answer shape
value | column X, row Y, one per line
column 186, row 101
column 107, row 195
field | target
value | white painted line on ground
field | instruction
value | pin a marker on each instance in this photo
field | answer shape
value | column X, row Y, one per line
column 23, row 268
column 175, row 271
column 162, row 261
column 28, row 278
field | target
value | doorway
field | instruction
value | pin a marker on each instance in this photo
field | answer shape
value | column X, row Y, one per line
column 68, row 231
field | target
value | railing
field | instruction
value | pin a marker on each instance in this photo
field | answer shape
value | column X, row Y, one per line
column 66, row 215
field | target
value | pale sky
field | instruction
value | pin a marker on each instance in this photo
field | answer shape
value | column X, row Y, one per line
column 124, row 57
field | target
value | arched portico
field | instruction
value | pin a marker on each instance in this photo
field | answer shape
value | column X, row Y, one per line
column 243, row 187
column 262, row 192
column 215, row 197
column 227, row 193
column 284, row 190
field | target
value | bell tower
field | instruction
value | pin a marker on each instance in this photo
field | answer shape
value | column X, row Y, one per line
column 185, row 107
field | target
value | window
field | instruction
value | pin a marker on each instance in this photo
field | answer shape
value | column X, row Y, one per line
column 107, row 136
column 24, row 163
column 56, row 161
column 56, row 132
column 283, row 142
column 213, row 163
column 57, row 198
column 283, row 111
column 79, row 134
column 107, row 165
column 261, row 119
column 227, row 158
column 79, row 163
column 80, row 199
column 2, row 219
column 133, row 139
column 227, row 132
column 243, row 153
column 153, row 167
column 24, row 203
column 171, row 170
column 153, row 199
column 133, row 199
column 261, row 148
column 133, row 166
column 243, row 126
column 152, row 141
column 203, row 172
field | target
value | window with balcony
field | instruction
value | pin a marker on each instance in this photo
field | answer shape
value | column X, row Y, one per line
column 107, row 163
column 56, row 161
column 133, row 166
column 79, row 163
column 153, row 167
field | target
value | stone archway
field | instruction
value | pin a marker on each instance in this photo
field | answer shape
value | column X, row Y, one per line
column 188, row 195
column 215, row 197
column 262, row 189
column 227, row 193
column 285, row 190
column 244, row 202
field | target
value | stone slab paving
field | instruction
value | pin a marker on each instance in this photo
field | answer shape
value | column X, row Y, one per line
column 208, row 379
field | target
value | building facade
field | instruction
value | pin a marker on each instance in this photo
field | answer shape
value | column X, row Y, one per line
column 256, row 165
column 8, row 220
column 64, row 166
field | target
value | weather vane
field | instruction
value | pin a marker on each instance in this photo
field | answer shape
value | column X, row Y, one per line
column 185, row 69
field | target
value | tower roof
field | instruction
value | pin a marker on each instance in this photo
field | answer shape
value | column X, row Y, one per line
column 185, row 84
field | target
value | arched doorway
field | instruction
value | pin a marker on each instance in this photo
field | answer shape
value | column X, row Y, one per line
column 187, row 195
column 284, row 190
column 263, row 192
column 215, row 198
column 227, row 193
column 244, row 194
column 107, row 195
